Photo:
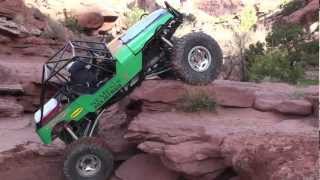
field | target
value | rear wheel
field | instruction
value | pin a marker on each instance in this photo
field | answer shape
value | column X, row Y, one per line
column 88, row 159
column 196, row 58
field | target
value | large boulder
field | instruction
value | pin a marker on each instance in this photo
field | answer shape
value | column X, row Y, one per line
column 257, row 145
column 95, row 19
column 144, row 166
column 90, row 20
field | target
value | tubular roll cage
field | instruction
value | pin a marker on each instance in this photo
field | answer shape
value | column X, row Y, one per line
column 96, row 50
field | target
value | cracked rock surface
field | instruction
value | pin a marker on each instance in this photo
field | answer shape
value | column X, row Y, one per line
column 258, row 145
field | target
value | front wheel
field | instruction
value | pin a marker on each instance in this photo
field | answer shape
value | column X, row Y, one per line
column 88, row 159
column 196, row 58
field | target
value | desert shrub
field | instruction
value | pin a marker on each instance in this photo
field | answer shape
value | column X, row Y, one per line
column 309, row 53
column 291, row 38
column 292, row 6
column 195, row 101
column 284, row 55
column 252, row 51
column 285, row 35
column 274, row 66
column 72, row 24
column 133, row 15
column 55, row 30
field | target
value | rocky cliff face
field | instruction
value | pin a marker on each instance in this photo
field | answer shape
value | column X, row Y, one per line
column 27, row 31
column 151, row 135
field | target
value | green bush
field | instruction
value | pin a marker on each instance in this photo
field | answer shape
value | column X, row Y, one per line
column 254, row 50
column 196, row 101
column 309, row 53
column 285, row 35
column 274, row 66
column 284, row 56
column 133, row 15
column 291, row 38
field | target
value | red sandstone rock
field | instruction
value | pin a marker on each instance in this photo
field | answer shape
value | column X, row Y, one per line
column 90, row 20
column 219, row 7
column 113, row 126
column 233, row 94
column 305, row 15
column 196, row 168
column 295, row 107
column 314, row 100
column 164, row 95
column 144, row 166
column 255, row 144
column 10, row 108
column 159, row 95
column 267, row 100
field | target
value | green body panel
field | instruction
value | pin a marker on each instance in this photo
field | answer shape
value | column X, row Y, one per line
column 138, row 42
column 129, row 64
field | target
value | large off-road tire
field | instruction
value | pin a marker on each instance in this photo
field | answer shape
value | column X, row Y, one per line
column 196, row 58
column 88, row 159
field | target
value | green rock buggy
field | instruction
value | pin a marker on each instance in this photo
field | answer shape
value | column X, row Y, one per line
column 84, row 78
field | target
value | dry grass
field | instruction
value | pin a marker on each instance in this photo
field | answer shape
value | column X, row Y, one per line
column 196, row 101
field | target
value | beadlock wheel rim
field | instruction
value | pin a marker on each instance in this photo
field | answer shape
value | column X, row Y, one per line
column 88, row 165
column 199, row 58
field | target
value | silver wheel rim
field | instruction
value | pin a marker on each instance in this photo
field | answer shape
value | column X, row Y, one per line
column 199, row 58
column 88, row 165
